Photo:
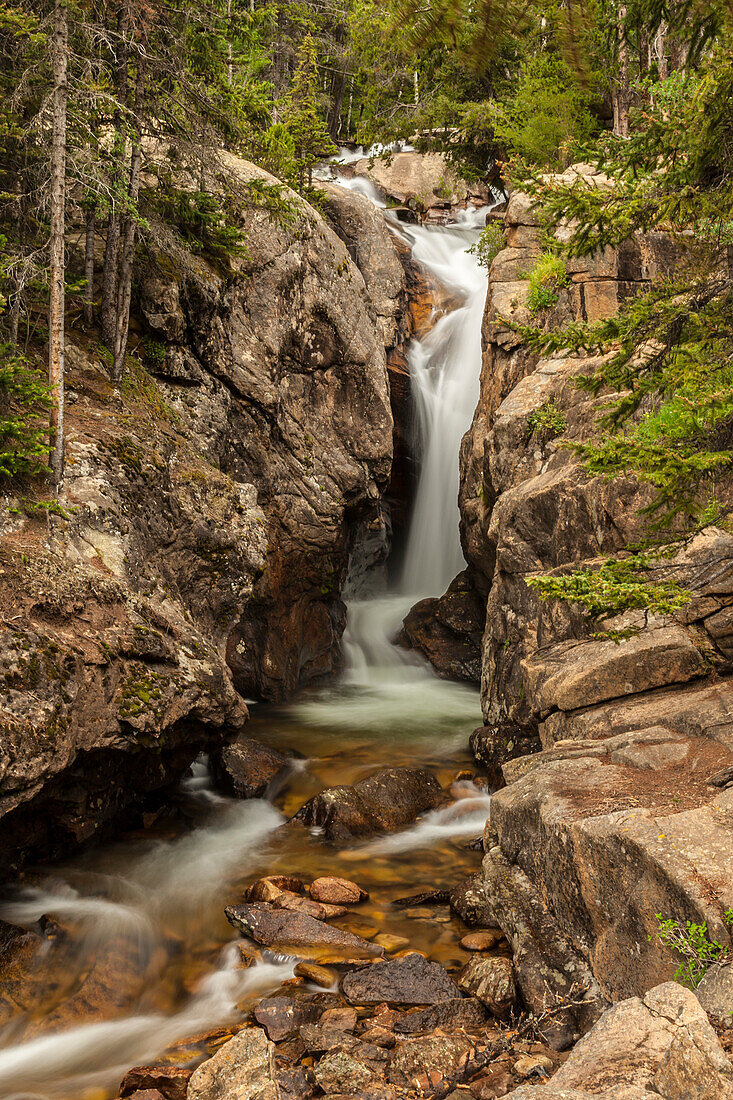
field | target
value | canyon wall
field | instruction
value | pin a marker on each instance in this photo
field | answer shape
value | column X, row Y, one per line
column 624, row 809
column 207, row 517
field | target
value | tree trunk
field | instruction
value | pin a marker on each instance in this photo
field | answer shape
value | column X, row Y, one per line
column 337, row 103
column 127, row 258
column 57, row 253
column 108, row 305
column 621, row 97
column 91, row 227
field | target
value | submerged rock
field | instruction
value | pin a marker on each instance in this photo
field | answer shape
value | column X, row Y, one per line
column 299, row 933
column 411, row 980
column 248, row 769
column 392, row 798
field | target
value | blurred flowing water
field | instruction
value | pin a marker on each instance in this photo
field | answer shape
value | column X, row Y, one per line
column 140, row 963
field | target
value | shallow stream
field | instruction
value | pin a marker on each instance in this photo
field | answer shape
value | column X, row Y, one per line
column 139, row 963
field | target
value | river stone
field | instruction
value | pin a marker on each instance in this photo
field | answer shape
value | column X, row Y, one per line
column 411, row 980
column 242, row 1069
column 470, row 901
column 492, row 981
column 297, row 904
column 342, row 1016
column 170, row 1081
column 337, row 891
column 432, row 1057
column 392, row 798
column 300, row 933
column 248, row 769
column 340, row 1073
column 293, row 1084
column 268, row 888
column 483, row 940
column 715, row 993
column 458, row 1012
column 281, row 1017
column 319, row 975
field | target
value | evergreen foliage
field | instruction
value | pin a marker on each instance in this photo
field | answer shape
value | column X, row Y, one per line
column 24, row 403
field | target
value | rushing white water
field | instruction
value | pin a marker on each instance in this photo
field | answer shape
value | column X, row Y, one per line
column 464, row 818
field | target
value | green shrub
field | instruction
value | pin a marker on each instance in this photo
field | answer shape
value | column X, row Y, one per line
column 24, row 401
column 692, row 942
column 619, row 584
column 546, row 278
column 489, row 244
column 548, row 419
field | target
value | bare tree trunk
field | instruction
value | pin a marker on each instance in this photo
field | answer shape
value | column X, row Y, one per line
column 57, row 253
column 351, row 105
column 15, row 316
column 108, row 305
column 621, row 96
column 337, row 103
column 127, row 258
column 90, row 227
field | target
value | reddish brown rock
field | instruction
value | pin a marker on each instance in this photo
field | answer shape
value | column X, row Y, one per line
column 337, row 891
column 282, row 929
column 170, row 1081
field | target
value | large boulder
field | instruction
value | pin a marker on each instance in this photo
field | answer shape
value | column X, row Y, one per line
column 241, row 1069
column 448, row 629
column 392, row 798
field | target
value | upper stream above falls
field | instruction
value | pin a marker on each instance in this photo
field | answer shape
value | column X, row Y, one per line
column 139, row 962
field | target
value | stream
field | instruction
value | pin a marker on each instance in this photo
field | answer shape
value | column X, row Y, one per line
column 139, row 962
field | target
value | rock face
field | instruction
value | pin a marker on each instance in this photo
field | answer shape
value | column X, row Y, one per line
column 242, row 1069
column 620, row 816
column 661, row 1045
column 423, row 181
column 210, row 504
column 388, row 800
column 448, row 630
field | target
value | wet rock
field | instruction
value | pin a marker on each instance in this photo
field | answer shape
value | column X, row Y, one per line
column 18, row 949
column 293, row 1084
column 242, row 1069
column 715, row 993
column 267, row 889
column 295, row 903
column 342, row 1017
column 391, row 943
column 392, row 798
column 337, row 891
column 458, row 1012
column 492, row 981
column 469, row 900
column 299, row 933
column 493, row 746
column 424, row 181
column 432, row 1057
column 170, row 1081
column 429, row 897
column 340, row 1073
column 319, row 975
column 281, row 1017
column 411, row 980
column 146, row 1094
column 248, row 769
column 448, row 630
column 483, row 940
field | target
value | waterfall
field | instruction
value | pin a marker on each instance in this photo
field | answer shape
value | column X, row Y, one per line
column 444, row 369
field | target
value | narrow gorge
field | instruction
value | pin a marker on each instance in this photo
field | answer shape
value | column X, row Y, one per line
column 308, row 787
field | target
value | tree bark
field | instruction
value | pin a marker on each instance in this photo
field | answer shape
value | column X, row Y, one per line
column 621, row 97
column 90, row 227
column 108, row 305
column 57, row 265
column 127, row 258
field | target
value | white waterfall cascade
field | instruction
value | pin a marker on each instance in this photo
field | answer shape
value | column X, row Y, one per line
column 389, row 685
